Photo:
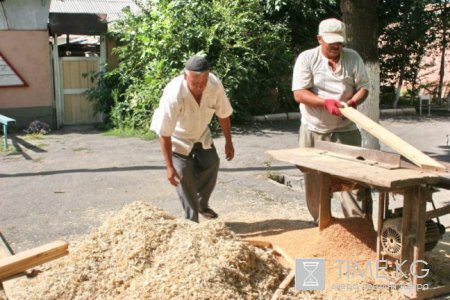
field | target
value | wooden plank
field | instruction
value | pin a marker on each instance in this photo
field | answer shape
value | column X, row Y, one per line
column 408, row 233
column 9, row 284
column 391, row 140
column 316, row 159
column 77, row 109
column 434, row 292
column 423, row 195
column 278, row 250
column 25, row 260
column 284, row 284
column 283, row 253
column 370, row 156
column 312, row 193
column 380, row 219
column 261, row 244
column 325, row 201
column 437, row 212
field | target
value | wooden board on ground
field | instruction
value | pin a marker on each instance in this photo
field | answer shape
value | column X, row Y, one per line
column 319, row 160
column 8, row 284
column 284, row 284
column 278, row 250
column 15, row 264
column 393, row 141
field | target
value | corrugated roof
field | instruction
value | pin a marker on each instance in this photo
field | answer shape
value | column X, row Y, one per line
column 112, row 8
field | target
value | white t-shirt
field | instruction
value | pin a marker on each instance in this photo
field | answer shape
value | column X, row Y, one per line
column 181, row 117
column 312, row 71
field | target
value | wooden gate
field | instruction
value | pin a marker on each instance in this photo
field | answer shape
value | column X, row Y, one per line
column 76, row 73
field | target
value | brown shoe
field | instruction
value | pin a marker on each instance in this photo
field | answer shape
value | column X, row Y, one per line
column 209, row 214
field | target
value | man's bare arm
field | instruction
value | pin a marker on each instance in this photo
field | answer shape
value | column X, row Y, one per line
column 225, row 124
column 166, row 149
column 359, row 97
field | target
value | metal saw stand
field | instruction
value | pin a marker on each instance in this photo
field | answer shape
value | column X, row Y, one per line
column 339, row 167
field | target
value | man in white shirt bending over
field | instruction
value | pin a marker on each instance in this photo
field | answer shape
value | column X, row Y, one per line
column 186, row 108
column 324, row 78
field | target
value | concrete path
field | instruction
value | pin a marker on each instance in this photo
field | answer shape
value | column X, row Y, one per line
column 64, row 183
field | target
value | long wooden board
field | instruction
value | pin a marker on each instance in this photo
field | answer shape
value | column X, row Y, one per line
column 417, row 157
column 8, row 285
column 319, row 160
column 15, row 264
column 368, row 156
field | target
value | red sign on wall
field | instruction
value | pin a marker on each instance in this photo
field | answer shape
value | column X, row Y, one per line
column 9, row 77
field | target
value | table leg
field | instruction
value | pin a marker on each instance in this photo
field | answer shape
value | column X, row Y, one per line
column 424, row 195
column 312, row 192
column 408, row 233
column 325, row 200
column 413, row 234
column 380, row 218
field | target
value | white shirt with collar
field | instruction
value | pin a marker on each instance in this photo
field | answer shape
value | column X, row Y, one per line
column 186, row 121
column 312, row 71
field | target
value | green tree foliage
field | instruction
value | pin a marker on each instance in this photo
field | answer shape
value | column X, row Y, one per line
column 302, row 18
column 405, row 33
column 250, row 54
column 441, row 10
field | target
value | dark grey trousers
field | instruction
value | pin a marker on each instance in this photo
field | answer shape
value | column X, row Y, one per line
column 349, row 199
column 198, row 176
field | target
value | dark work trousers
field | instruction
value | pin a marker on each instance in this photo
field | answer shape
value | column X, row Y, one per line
column 198, row 176
column 356, row 203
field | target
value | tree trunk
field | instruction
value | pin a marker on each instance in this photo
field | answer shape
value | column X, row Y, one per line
column 398, row 89
column 361, row 20
column 414, row 92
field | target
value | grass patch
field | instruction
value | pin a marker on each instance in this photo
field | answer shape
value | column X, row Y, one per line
column 130, row 132
column 80, row 149
column 33, row 136
column 273, row 175
column 7, row 150
column 11, row 150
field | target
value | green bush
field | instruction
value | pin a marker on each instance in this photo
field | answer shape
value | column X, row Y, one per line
column 247, row 52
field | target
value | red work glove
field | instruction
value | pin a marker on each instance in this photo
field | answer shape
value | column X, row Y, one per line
column 332, row 106
column 352, row 103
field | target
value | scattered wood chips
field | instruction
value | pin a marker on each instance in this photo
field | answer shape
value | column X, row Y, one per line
column 351, row 240
column 142, row 253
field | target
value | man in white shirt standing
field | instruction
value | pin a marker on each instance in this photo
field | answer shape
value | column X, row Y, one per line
column 324, row 79
column 186, row 109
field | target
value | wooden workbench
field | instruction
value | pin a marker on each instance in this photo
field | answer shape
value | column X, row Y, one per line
column 336, row 173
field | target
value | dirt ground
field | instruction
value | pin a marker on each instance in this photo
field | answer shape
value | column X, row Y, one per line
column 62, row 184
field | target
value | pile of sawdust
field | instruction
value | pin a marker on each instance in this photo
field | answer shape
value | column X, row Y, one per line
column 352, row 240
column 141, row 253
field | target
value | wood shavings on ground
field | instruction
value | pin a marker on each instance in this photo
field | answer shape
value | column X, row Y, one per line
column 142, row 253
column 439, row 263
column 350, row 240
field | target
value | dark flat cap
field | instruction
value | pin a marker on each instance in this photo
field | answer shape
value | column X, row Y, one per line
column 197, row 63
